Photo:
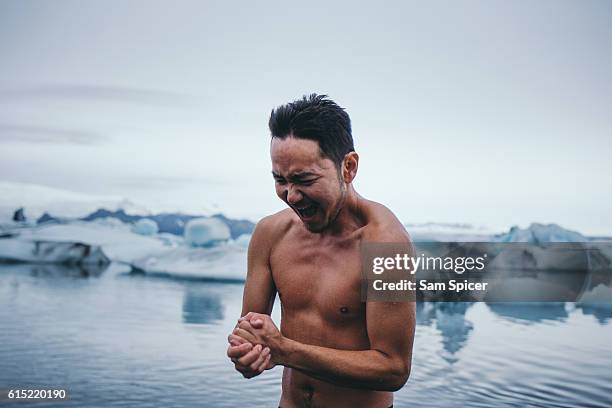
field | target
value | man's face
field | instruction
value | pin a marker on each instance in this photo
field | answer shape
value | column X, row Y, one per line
column 308, row 182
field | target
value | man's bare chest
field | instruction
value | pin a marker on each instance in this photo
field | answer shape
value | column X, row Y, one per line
column 320, row 279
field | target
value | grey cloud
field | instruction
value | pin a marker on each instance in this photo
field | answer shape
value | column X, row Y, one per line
column 84, row 92
column 35, row 134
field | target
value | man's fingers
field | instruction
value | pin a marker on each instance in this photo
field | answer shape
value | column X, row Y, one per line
column 250, row 357
column 260, row 362
column 263, row 361
column 266, row 364
column 256, row 323
column 245, row 335
column 260, row 359
column 246, row 317
column 246, row 325
column 235, row 352
column 235, row 340
column 239, row 351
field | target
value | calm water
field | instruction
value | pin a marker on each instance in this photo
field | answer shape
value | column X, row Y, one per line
column 120, row 340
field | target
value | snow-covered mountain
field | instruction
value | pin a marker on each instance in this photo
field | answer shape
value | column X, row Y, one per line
column 37, row 199
column 539, row 233
column 447, row 231
column 43, row 204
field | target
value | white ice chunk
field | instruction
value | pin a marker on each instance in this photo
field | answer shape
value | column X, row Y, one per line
column 540, row 233
column 206, row 232
column 145, row 226
column 73, row 253
column 224, row 262
column 117, row 241
column 162, row 254
column 243, row 240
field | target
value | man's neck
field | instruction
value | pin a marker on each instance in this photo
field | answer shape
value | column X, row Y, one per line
column 349, row 218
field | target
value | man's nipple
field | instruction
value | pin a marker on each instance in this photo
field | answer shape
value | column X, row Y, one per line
column 344, row 310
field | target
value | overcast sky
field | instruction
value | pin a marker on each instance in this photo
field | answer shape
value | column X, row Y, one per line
column 491, row 113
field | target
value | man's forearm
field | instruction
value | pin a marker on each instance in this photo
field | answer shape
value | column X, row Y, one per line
column 369, row 369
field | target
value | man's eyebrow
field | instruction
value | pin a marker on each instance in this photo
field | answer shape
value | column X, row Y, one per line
column 302, row 175
column 296, row 175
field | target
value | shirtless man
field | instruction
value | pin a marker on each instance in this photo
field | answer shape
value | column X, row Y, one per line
column 337, row 350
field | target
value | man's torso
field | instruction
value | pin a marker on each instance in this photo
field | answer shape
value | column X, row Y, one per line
column 318, row 279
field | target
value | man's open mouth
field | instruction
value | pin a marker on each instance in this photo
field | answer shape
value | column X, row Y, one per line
column 307, row 211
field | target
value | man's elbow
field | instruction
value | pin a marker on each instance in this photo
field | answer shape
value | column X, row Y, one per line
column 398, row 377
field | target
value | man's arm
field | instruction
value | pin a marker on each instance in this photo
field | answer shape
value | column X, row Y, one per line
column 258, row 296
column 259, row 289
column 384, row 366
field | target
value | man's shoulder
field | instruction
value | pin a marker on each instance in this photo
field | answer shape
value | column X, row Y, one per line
column 280, row 220
column 382, row 225
column 272, row 227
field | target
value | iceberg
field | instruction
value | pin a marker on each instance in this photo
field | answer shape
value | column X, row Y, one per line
column 447, row 232
column 173, row 223
column 159, row 254
column 115, row 239
column 243, row 240
column 52, row 270
column 539, row 233
column 66, row 253
column 224, row 262
column 145, row 226
column 206, row 232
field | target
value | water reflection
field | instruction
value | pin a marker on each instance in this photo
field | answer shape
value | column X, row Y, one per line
column 530, row 312
column 597, row 300
column 45, row 270
column 126, row 335
column 450, row 321
column 201, row 306
column 602, row 311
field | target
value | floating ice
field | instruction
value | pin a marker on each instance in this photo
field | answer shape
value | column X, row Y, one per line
column 68, row 253
column 116, row 240
column 170, row 240
column 243, row 240
column 206, row 232
column 224, row 262
column 446, row 232
column 160, row 254
column 145, row 226
column 539, row 233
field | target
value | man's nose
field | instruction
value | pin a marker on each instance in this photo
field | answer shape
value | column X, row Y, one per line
column 294, row 195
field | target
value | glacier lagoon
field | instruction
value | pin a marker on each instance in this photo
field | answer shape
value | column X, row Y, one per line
column 120, row 339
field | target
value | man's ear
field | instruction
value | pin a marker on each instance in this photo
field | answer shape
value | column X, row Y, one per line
column 349, row 166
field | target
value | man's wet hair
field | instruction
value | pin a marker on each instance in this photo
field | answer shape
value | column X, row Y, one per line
column 318, row 118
